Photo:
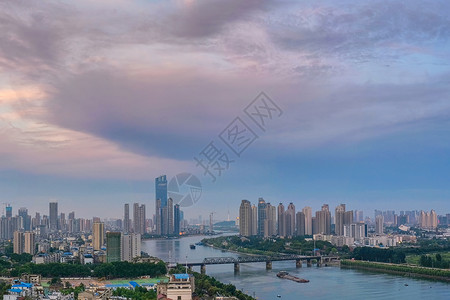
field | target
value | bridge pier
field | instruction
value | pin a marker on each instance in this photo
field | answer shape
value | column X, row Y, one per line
column 237, row 267
column 308, row 263
column 268, row 265
column 298, row 263
column 203, row 269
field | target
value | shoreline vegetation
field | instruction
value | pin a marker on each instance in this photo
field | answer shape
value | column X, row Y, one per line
column 398, row 269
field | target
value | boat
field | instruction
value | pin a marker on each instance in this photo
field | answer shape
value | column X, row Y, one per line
column 192, row 246
column 285, row 275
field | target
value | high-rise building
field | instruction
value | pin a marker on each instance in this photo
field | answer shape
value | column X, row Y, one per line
column 428, row 220
column 176, row 219
column 308, row 220
column 113, row 246
column 359, row 216
column 161, row 189
column 18, row 242
column 98, row 236
column 270, row 222
column 29, row 244
column 126, row 218
column 358, row 231
column 26, row 219
column 339, row 213
column 245, row 218
column 170, row 226
column 323, row 219
column 139, row 219
column 379, row 224
column 300, row 223
column 8, row 210
column 262, row 215
column 53, row 214
column 130, row 246
column 158, row 215
column 281, row 222
column 161, row 209
column 254, row 220
column 290, row 220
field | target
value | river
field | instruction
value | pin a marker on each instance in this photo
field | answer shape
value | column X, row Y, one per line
column 325, row 283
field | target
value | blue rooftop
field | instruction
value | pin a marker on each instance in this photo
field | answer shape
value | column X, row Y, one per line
column 181, row 276
column 15, row 290
column 134, row 284
column 117, row 285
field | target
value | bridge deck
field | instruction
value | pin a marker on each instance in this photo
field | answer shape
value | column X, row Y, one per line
column 252, row 259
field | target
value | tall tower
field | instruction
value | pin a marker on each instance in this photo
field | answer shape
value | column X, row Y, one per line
column 308, row 220
column 323, row 219
column 245, row 218
column 379, row 221
column 23, row 212
column 254, row 220
column 290, row 220
column 339, row 213
column 281, row 222
column 300, row 223
column 176, row 219
column 126, row 218
column 170, row 216
column 161, row 189
column 98, row 235
column 53, row 213
column 113, row 246
column 29, row 244
column 162, row 225
column 262, row 215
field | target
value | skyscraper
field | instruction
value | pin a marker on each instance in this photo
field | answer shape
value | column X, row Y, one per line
column 18, row 242
column 308, row 220
column 270, row 228
column 281, row 222
column 176, row 219
column 290, row 220
column 161, row 189
column 323, row 219
column 113, row 246
column 170, row 226
column 29, row 244
column 245, row 218
column 126, row 218
column 262, row 215
column 300, row 223
column 254, row 220
column 161, row 211
column 8, row 210
column 379, row 223
column 130, row 246
column 339, row 213
column 53, row 213
column 26, row 219
column 158, row 215
column 139, row 222
column 98, row 235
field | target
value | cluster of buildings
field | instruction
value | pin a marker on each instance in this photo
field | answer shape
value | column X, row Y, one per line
column 345, row 227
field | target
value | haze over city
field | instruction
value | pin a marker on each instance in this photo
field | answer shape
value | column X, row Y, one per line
column 99, row 99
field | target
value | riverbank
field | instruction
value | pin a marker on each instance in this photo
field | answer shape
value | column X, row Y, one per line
column 398, row 269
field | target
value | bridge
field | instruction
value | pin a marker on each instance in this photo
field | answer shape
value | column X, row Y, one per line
column 299, row 259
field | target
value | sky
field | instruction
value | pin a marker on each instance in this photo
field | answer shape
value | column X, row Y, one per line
column 98, row 98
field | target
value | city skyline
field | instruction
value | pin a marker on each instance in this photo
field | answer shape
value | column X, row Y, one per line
column 89, row 117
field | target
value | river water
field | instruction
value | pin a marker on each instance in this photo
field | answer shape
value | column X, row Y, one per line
column 325, row 283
